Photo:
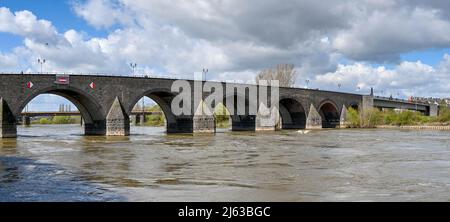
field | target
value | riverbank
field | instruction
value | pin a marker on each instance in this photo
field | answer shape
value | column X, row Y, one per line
column 57, row 120
column 393, row 119
column 414, row 127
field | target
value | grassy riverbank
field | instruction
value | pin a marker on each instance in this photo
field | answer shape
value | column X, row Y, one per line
column 375, row 117
column 155, row 120
column 58, row 120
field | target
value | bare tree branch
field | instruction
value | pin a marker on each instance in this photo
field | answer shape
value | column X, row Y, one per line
column 284, row 73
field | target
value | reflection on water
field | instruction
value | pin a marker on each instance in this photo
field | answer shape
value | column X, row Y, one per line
column 57, row 163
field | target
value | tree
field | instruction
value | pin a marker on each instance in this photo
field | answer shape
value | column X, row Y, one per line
column 284, row 73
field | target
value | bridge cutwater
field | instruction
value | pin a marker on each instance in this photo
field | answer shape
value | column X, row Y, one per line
column 106, row 103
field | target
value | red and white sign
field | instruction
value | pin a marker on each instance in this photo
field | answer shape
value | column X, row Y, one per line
column 62, row 80
column 92, row 85
column 30, row 85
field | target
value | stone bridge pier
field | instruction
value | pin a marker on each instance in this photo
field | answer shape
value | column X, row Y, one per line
column 138, row 119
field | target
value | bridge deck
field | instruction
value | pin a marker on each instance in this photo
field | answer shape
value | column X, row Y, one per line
column 383, row 102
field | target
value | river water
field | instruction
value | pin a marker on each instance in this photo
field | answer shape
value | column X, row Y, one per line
column 58, row 163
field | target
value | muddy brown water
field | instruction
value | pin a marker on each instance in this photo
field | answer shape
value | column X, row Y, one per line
column 58, row 163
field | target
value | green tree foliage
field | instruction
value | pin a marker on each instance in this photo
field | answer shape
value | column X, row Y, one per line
column 45, row 121
column 374, row 117
column 222, row 116
column 63, row 120
column 155, row 120
column 353, row 118
column 444, row 115
column 58, row 120
column 371, row 118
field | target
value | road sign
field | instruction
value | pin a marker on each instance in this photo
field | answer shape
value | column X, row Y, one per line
column 30, row 85
column 62, row 80
column 92, row 85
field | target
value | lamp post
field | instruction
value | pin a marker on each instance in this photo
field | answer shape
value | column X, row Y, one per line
column 204, row 71
column 41, row 62
column 133, row 66
column 204, row 74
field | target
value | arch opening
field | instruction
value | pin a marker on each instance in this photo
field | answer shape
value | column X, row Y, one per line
column 330, row 115
column 292, row 113
column 354, row 106
column 153, row 110
column 90, row 111
column 52, row 109
column 147, row 113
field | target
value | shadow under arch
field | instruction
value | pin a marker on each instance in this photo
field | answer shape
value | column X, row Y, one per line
column 330, row 114
column 91, row 111
column 292, row 113
column 354, row 106
column 242, row 118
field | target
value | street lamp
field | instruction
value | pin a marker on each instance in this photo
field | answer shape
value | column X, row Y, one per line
column 133, row 66
column 41, row 62
column 204, row 74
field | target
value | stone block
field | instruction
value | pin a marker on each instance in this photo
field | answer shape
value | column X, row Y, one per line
column 117, row 121
column 314, row 120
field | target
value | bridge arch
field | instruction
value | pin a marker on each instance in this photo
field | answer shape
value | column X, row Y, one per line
column 91, row 111
column 163, row 98
column 330, row 114
column 292, row 113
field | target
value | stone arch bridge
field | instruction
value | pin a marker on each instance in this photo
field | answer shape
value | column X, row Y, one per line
column 106, row 102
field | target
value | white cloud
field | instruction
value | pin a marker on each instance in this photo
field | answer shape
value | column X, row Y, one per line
column 235, row 39
column 384, row 35
column 405, row 79
column 25, row 23
column 100, row 13
column 8, row 62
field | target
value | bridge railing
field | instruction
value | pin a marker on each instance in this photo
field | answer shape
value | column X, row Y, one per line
column 168, row 76
column 146, row 75
column 92, row 74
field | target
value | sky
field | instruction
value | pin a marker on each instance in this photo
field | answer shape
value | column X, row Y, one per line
column 398, row 47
